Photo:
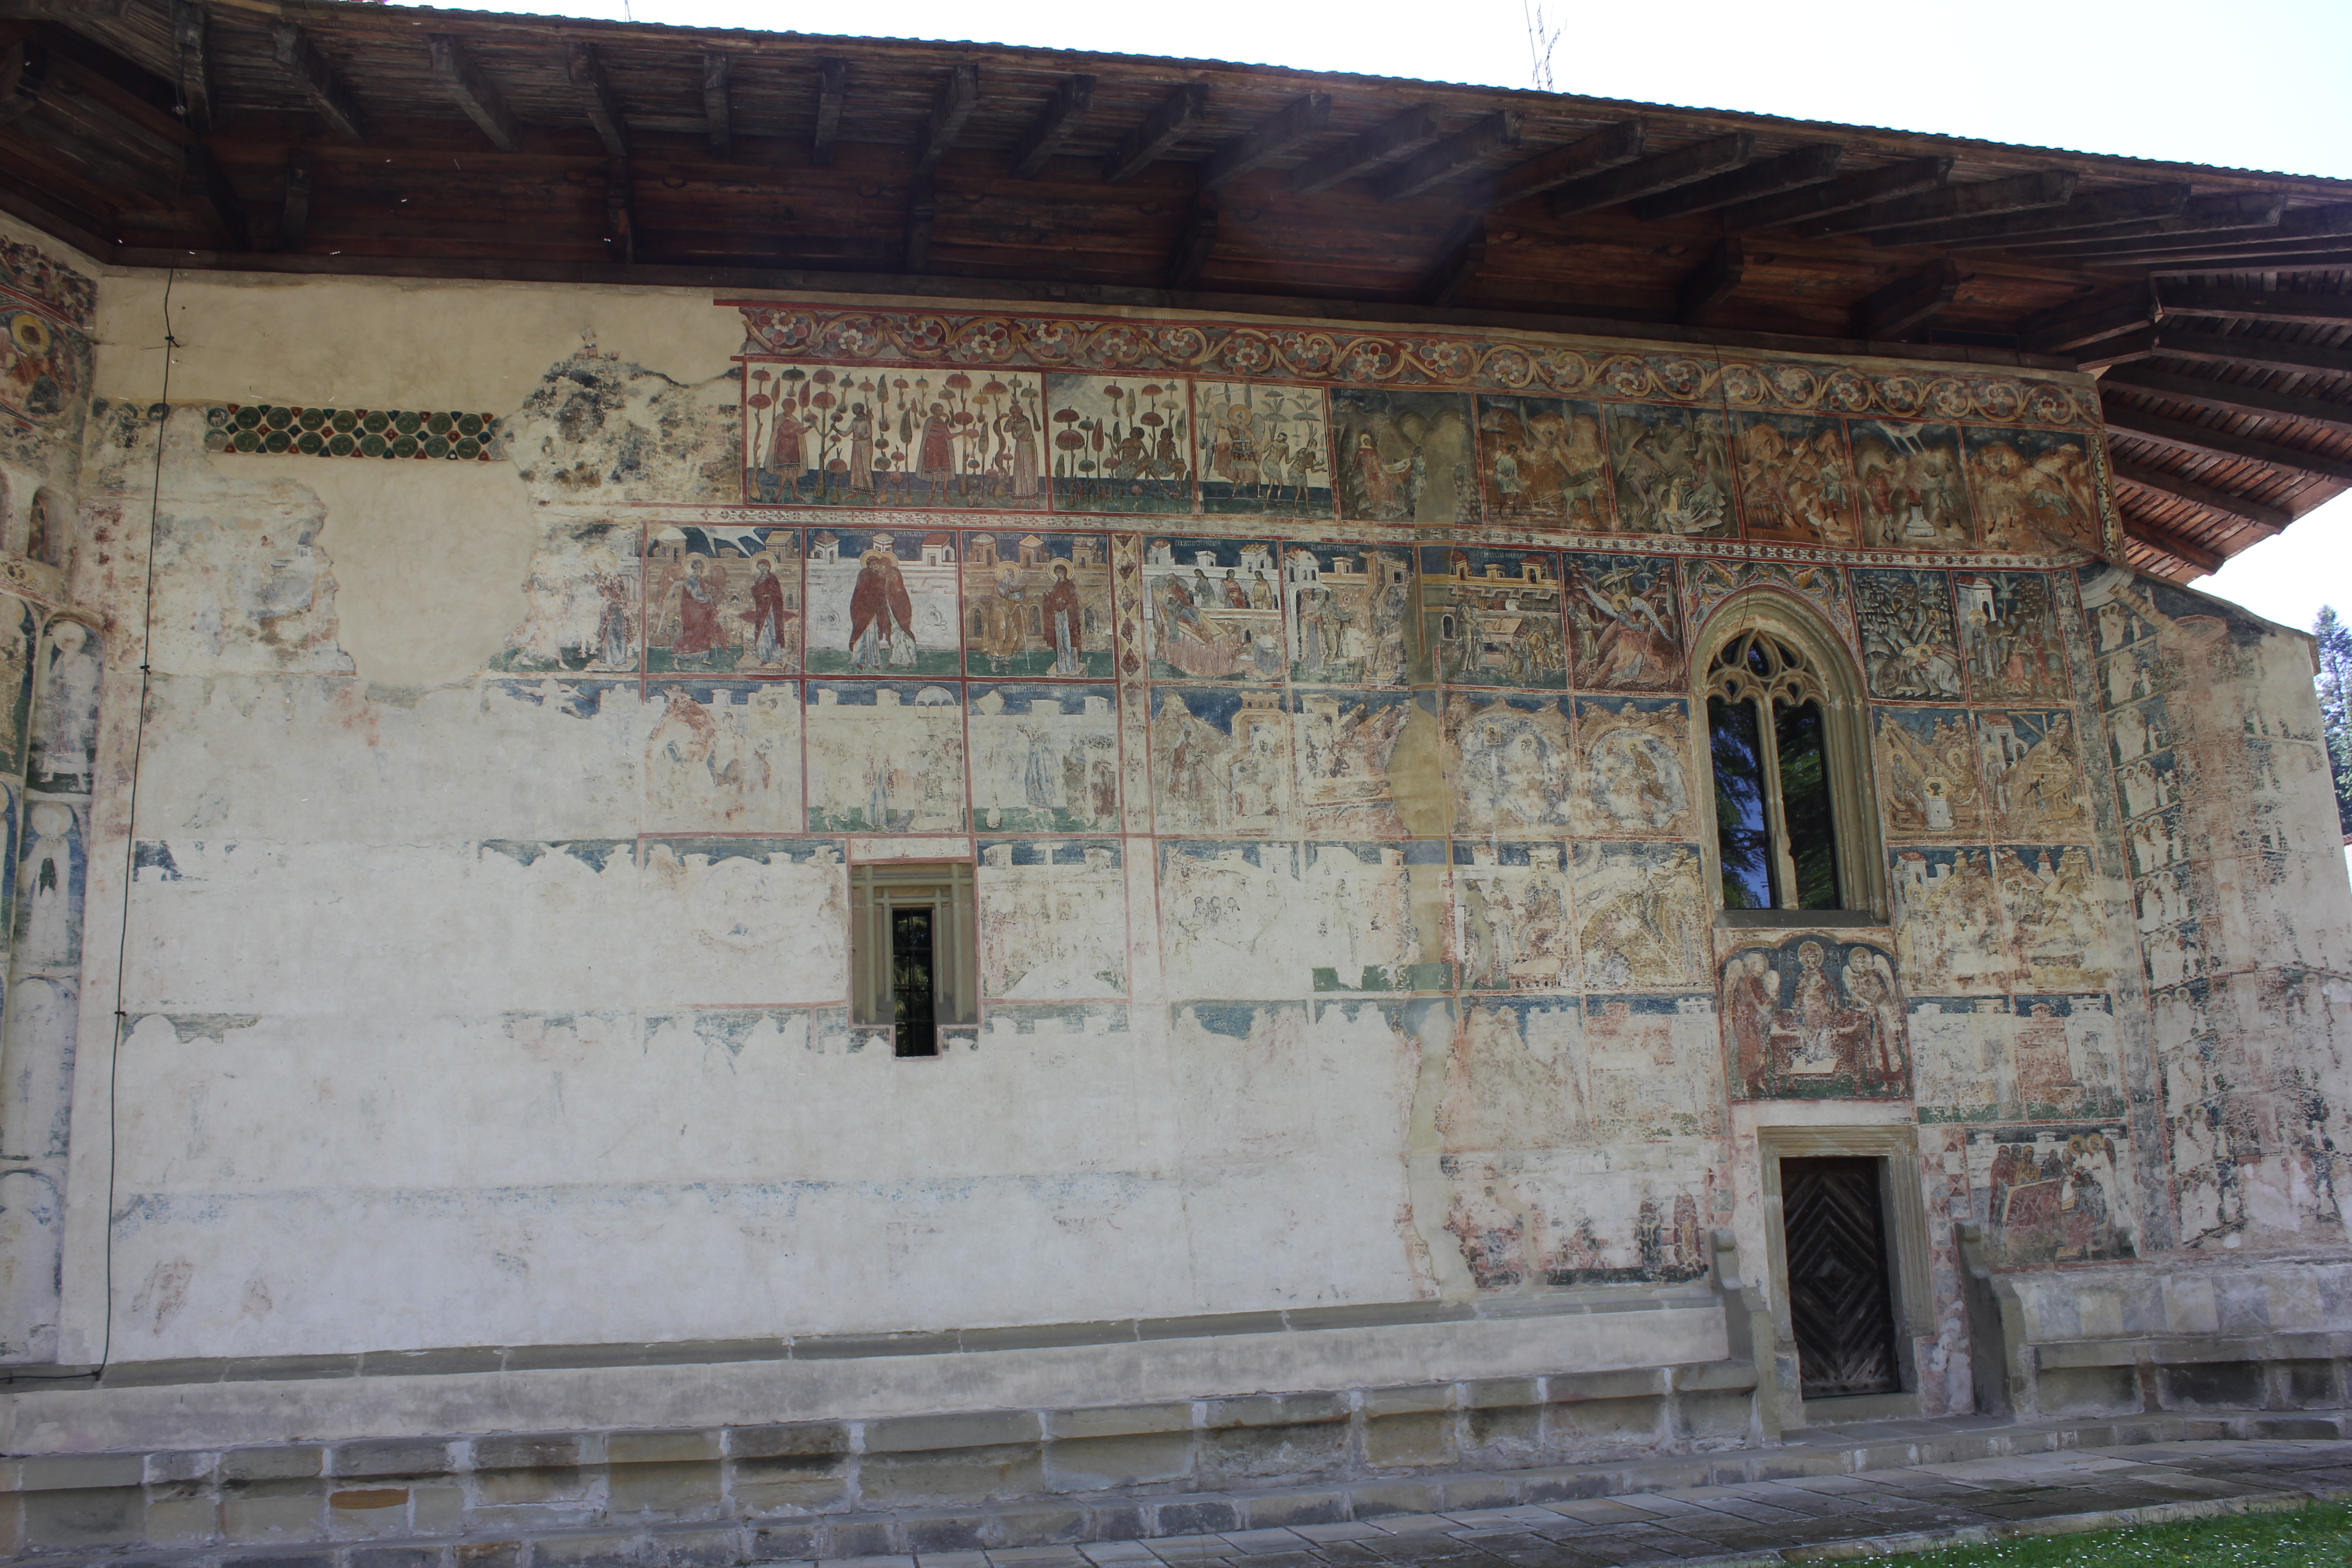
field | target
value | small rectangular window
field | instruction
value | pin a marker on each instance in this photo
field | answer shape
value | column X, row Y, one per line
column 912, row 952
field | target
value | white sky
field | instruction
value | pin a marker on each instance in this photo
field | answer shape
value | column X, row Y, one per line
column 2258, row 84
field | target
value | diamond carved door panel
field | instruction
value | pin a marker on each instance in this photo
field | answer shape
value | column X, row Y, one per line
column 1840, row 1303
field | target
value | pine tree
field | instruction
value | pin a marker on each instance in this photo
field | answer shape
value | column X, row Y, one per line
column 2335, row 684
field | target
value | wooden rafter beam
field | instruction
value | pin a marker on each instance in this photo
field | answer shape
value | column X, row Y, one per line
column 2258, row 305
column 1659, row 172
column 64, row 10
column 1768, row 176
column 1907, row 302
column 191, row 51
column 597, row 100
column 114, row 141
column 2228, row 396
column 2204, row 220
column 2198, row 558
column 1161, row 129
column 1591, row 154
column 1978, row 198
column 719, row 105
column 2251, row 513
column 1455, row 156
column 1062, row 113
column 1196, row 241
column 832, row 89
column 473, row 91
column 2125, row 420
column 1843, row 193
column 1362, row 154
column 294, row 214
column 2089, row 319
column 227, row 206
column 2103, row 209
column 621, row 210
column 2214, row 226
column 1300, row 121
column 1713, row 281
column 957, row 96
column 923, row 213
column 23, row 72
column 2223, row 348
column 1465, row 256
column 299, row 58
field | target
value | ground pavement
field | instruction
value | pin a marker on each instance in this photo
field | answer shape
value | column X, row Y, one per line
column 1808, row 1518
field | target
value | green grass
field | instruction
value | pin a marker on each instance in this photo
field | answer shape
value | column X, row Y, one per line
column 2315, row 1537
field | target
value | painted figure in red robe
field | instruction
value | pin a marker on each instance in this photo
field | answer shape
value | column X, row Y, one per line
column 879, row 608
column 934, row 460
column 769, row 619
column 1064, row 618
column 699, row 598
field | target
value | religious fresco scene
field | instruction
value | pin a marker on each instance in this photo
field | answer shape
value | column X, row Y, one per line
column 1349, row 612
column 1493, row 617
column 1037, row 605
column 1914, row 492
column 1814, row 1019
column 1122, row 445
column 1671, row 471
column 1405, row 457
column 1796, row 478
column 1544, row 460
column 883, row 603
column 845, row 435
column 721, row 600
column 1263, row 449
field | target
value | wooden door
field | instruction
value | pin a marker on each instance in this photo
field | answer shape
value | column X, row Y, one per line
column 1839, row 1304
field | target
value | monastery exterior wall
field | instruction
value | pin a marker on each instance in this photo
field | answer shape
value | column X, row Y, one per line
column 505, row 712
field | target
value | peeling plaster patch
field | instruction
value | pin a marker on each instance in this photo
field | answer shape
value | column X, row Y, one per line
column 243, row 582
column 431, row 558
column 600, row 429
column 213, row 1026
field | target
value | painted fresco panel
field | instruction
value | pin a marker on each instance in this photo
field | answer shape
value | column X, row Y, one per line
column 723, row 756
column 1037, row 605
column 1349, row 610
column 1375, row 917
column 1219, row 905
column 1625, row 622
column 1345, row 743
column 1706, row 583
column 1633, row 776
column 2009, row 1059
column 1120, row 444
column 1221, row 762
column 885, row 758
column 1403, row 457
column 584, row 601
column 1913, row 494
column 851, row 435
column 1507, row 758
column 1929, row 782
column 1796, row 478
column 1671, row 471
column 1052, row 919
column 1044, row 758
column 19, row 633
column 2035, row 780
column 1544, row 460
column 2053, row 1194
column 1642, row 914
column 64, row 753
column 1948, row 930
column 2010, row 641
column 2033, row 489
column 55, row 870
column 883, row 602
column 1211, row 611
column 1493, row 617
column 1262, row 448
column 1909, row 651
column 1813, row 1018
column 1515, row 930
column 2050, row 897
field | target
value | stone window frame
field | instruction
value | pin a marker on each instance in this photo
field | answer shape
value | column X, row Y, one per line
column 877, row 890
column 1845, row 715
column 1903, row 1212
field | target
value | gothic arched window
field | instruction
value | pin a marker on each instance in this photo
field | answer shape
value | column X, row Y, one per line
column 1791, row 807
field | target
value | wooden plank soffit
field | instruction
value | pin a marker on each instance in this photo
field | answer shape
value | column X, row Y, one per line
column 2103, row 209
column 832, row 87
column 300, row 59
column 1660, row 171
column 620, row 210
column 1904, row 304
column 597, row 99
column 64, row 10
column 2254, row 513
column 1711, row 282
column 1362, row 154
column 1196, row 241
column 2222, row 444
column 923, row 213
column 1805, row 166
column 1298, row 122
column 2226, row 348
column 294, row 215
column 1463, row 257
column 2258, row 305
column 2200, row 220
column 227, row 208
column 1443, row 161
column 957, row 96
column 1061, row 114
column 23, row 70
column 2195, row 557
column 1161, row 129
column 2089, row 319
column 473, row 91
column 2229, row 397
